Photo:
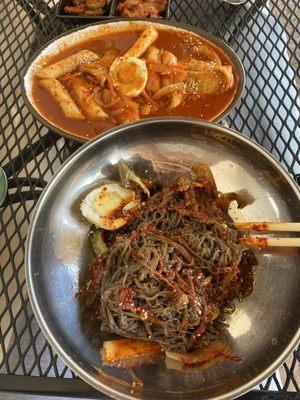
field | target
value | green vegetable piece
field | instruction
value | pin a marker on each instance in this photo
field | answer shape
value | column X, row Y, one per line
column 97, row 241
column 98, row 11
column 95, row 4
column 126, row 174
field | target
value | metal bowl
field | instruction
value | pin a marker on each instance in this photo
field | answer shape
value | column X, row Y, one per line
column 80, row 34
column 263, row 330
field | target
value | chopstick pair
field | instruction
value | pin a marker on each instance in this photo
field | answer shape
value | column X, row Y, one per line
column 263, row 241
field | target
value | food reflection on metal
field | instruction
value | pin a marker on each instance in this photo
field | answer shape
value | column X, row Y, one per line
column 201, row 359
column 241, row 324
column 145, row 79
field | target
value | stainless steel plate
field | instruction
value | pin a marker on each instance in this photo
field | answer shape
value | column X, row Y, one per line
column 265, row 327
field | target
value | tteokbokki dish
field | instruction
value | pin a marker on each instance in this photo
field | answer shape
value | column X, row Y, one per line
column 122, row 77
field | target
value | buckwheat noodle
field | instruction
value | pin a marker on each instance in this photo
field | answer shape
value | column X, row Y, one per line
column 170, row 274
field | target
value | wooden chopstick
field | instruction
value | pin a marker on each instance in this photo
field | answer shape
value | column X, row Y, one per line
column 269, row 226
column 261, row 241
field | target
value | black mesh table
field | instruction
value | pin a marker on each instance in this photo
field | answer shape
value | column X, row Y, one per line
column 265, row 34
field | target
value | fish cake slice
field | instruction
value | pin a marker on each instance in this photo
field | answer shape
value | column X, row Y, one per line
column 214, row 349
column 209, row 78
column 206, row 53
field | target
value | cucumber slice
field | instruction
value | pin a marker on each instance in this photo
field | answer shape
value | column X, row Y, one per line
column 97, row 241
column 95, row 4
column 98, row 11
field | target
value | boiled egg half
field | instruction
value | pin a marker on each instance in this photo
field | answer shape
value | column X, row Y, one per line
column 129, row 75
column 107, row 206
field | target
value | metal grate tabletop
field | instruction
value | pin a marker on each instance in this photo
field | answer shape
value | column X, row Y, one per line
column 265, row 34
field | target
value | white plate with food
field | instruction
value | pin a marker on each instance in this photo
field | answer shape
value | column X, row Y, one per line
column 91, row 79
column 141, row 275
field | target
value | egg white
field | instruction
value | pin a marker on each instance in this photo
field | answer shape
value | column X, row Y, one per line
column 136, row 86
column 99, row 206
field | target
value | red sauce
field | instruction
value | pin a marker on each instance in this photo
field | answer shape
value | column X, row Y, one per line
column 152, row 229
column 232, row 358
column 126, row 295
column 261, row 242
column 246, row 274
column 97, row 270
column 206, row 106
column 117, row 212
column 246, row 279
column 262, row 226
column 254, row 241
